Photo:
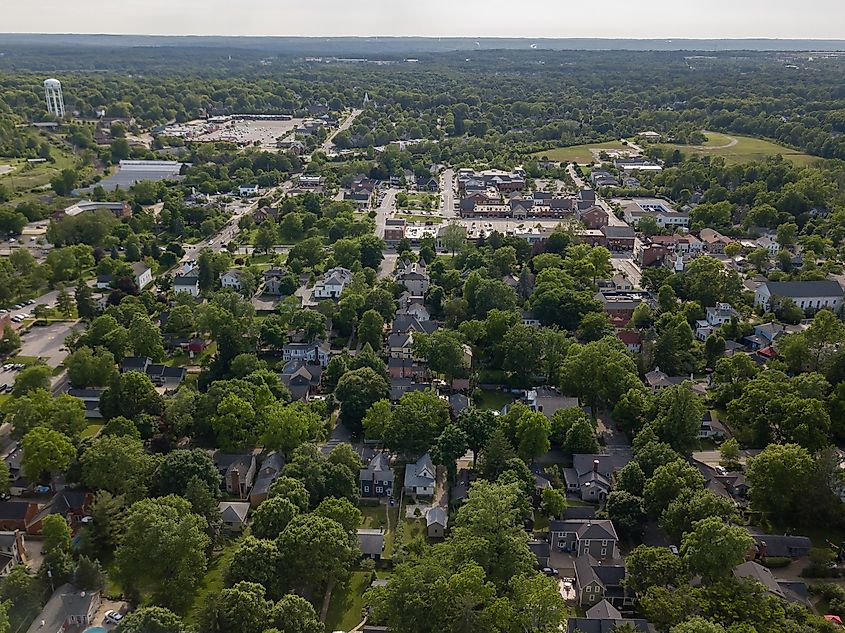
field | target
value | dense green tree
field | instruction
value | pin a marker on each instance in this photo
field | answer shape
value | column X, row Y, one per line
column 45, row 451
column 714, row 548
column 357, row 391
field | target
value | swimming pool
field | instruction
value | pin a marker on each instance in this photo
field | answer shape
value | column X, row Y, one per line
column 96, row 629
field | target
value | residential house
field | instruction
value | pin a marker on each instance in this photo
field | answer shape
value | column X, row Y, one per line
column 302, row 378
column 603, row 178
column 68, row 609
column 547, row 400
column 657, row 380
column 400, row 345
column 436, row 522
column 780, row 545
column 604, row 618
column 191, row 285
column 376, row 479
column 332, row 283
column 400, row 386
column 273, row 280
column 317, row 352
column 269, row 471
column 371, row 542
column 233, row 515
column 90, row 400
column 247, row 191
column 594, row 537
column 413, row 276
column 428, row 184
column 712, row 428
column 420, row 477
column 807, row 295
column 541, row 551
column 406, row 368
column 591, row 476
column 714, row 242
column 237, row 471
column 142, row 275
column 786, row 590
column 166, row 376
column 714, row 318
column 621, row 283
column 232, row 278
column 767, row 243
column 458, row 403
column 632, row 339
column 12, row 550
column 529, row 319
column 687, row 245
column 602, row 580
column 18, row 482
column 310, row 182
column 266, row 213
column 14, row 515
column 72, row 505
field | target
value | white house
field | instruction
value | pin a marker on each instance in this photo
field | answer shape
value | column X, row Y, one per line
column 332, row 284
column 191, row 285
column 714, row 318
column 807, row 295
column 768, row 243
column 420, row 476
column 247, row 191
column 143, row 275
column 231, row 279
column 316, row 352
column 413, row 276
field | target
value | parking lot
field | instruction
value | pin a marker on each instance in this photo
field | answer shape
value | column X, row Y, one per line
column 48, row 342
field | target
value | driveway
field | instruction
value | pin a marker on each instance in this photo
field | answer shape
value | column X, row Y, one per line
column 563, row 562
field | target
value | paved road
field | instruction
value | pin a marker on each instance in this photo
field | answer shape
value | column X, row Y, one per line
column 385, row 208
column 581, row 184
column 625, row 264
column 388, row 264
column 328, row 144
column 447, row 188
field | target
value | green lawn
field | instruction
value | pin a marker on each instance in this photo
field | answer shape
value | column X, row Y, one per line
column 493, row 399
column 90, row 431
column 347, row 602
column 375, row 517
column 213, row 580
column 578, row 153
column 410, row 217
column 745, row 149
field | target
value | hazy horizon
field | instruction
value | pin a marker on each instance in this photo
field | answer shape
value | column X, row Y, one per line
column 546, row 19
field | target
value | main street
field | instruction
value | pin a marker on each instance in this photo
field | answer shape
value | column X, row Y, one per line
column 384, row 209
column 613, row 220
column 447, row 188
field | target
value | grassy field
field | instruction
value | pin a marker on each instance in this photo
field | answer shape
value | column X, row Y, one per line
column 347, row 602
column 578, row 153
column 24, row 176
column 213, row 580
column 740, row 149
column 416, row 201
column 411, row 217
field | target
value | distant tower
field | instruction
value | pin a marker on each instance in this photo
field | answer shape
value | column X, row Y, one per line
column 55, row 101
column 366, row 98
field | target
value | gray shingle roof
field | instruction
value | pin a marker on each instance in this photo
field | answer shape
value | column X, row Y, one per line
column 822, row 288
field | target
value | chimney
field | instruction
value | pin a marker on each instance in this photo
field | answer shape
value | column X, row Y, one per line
column 235, row 481
column 595, row 465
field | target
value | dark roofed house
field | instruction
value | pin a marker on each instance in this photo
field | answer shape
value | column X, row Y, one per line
column 602, row 580
column 781, row 545
column 371, row 542
column 72, row 505
column 594, row 537
column 591, row 476
column 436, row 522
column 14, row 515
column 302, row 378
column 376, row 480
column 269, row 471
column 237, row 471
column 788, row 591
column 135, row 363
column 541, row 550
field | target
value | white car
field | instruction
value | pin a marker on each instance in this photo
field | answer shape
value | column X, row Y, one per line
column 113, row 617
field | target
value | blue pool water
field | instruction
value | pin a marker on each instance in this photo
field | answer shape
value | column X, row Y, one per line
column 95, row 629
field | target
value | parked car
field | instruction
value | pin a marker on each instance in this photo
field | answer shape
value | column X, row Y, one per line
column 113, row 617
column 550, row 571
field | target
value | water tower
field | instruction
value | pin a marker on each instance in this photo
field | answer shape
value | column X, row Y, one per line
column 55, row 101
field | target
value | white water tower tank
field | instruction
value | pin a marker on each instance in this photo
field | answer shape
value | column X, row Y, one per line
column 55, row 100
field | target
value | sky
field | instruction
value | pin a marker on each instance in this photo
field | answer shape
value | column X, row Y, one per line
column 645, row 19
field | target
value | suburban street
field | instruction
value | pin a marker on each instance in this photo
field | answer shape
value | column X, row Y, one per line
column 328, row 144
column 385, row 208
